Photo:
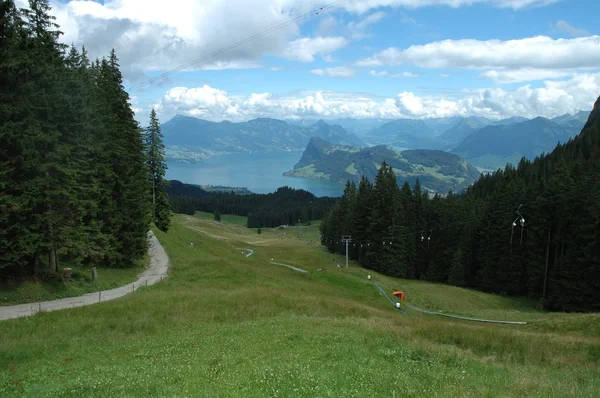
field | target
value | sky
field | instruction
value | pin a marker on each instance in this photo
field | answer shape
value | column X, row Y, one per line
column 387, row 59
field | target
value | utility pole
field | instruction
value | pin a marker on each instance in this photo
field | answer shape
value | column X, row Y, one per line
column 546, row 271
column 346, row 239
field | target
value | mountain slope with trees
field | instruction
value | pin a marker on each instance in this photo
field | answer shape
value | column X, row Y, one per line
column 470, row 239
column 73, row 180
column 438, row 171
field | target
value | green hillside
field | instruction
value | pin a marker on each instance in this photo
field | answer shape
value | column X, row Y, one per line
column 227, row 325
column 437, row 171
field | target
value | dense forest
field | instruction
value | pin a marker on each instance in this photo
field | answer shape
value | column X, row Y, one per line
column 531, row 230
column 76, row 170
column 285, row 206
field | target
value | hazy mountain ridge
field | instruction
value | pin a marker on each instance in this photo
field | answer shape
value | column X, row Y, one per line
column 192, row 139
column 495, row 145
column 437, row 170
column 481, row 141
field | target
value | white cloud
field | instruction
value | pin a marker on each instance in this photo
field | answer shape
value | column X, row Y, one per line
column 362, row 6
column 358, row 29
column 410, row 104
column 573, row 31
column 339, row 71
column 385, row 73
column 444, row 75
column 553, row 99
column 410, row 74
column 276, row 68
column 151, row 36
column 526, row 75
column 535, row 53
column 305, row 49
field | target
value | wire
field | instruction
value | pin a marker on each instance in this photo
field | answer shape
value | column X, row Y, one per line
column 237, row 44
column 582, row 192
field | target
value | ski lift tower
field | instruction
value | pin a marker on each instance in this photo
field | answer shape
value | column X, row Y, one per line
column 346, row 239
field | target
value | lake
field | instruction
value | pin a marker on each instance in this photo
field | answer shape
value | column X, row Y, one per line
column 259, row 172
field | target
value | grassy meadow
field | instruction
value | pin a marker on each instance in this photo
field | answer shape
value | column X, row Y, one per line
column 226, row 325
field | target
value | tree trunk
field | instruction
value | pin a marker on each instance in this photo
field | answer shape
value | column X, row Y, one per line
column 153, row 200
column 36, row 263
column 52, row 250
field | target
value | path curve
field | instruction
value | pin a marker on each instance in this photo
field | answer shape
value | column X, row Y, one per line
column 247, row 250
column 159, row 265
column 290, row 266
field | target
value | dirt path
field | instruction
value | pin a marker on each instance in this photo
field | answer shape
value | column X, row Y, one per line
column 159, row 264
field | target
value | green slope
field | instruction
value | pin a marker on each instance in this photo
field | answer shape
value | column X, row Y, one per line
column 227, row 325
column 437, row 170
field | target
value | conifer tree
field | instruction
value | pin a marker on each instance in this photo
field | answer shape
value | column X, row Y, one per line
column 127, row 219
column 457, row 272
column 155, row 160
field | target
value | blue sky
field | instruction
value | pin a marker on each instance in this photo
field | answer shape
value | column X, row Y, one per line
column 363, row 58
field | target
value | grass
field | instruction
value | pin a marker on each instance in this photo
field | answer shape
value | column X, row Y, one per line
column 34, row 290
column 307, row 172
column 225, row 218
column 227, row 325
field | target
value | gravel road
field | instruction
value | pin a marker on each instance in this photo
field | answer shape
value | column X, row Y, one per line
column 159, row 264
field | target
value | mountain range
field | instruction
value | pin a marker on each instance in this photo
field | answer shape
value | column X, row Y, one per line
column 437, row 171
column 485, row 143
column 191, row 139
column 495, row 145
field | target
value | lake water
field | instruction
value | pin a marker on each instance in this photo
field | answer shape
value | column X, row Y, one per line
column 259, row 172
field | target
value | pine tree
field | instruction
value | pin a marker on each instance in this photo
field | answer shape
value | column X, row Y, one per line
column 155, row 160
column 381, row 228
column 126, row 220
column 20, row 237
column 362, row 211
column 217, row 215
column 457, row 272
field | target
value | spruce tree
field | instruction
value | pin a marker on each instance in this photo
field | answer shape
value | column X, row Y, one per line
column 155, row 160
column 126, row 220
column 457, row 272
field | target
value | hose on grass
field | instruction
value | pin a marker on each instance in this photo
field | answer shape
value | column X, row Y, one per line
column 412, row 307
column 389, row 299
column 289, row 266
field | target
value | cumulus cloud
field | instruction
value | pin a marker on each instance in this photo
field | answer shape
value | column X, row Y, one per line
column 385, row 73
column 339, row 71
column 570, row 29
column 553, row 99
column 305, row 49
column 529, row 54
column 150, row 36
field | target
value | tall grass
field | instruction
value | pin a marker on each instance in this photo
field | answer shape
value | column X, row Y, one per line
column 227, row 325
